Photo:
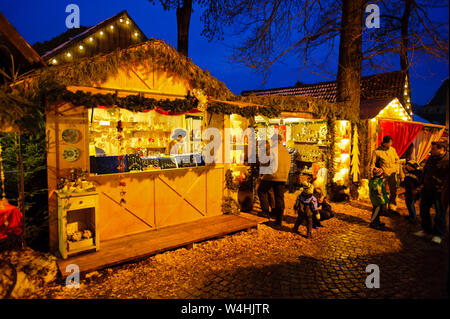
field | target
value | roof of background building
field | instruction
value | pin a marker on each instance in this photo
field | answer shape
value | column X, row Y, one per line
column 378, row 86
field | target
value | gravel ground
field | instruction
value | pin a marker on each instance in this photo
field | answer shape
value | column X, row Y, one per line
column 273, row 262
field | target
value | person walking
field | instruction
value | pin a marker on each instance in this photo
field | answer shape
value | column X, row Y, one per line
column 279, row 165
column 386, row 158
column 435, row 174
column 378, row 197
column 413, row 177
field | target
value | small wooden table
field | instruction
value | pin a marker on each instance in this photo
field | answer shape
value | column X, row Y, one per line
column 77, row 209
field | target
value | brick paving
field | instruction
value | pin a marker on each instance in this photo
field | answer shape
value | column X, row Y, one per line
column 273, row 262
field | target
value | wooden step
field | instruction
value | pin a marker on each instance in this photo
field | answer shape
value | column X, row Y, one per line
column 134, row 247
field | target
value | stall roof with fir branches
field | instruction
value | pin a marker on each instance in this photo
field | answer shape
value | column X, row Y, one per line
column 95, row 70
column 117, row 32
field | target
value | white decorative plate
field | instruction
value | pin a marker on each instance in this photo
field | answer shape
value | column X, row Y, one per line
column 71, row 154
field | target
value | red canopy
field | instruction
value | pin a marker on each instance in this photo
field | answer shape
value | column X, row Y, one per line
column 402, row 133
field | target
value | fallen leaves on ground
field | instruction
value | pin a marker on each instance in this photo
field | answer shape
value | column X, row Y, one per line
column 171, row 274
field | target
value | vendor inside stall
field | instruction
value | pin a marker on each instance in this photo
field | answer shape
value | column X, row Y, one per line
column 176, row 145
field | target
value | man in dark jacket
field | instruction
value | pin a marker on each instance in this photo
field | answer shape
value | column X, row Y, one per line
column 413, row 176
column 434, row 174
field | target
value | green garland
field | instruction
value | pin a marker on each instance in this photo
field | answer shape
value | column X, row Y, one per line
column 135, row 103
column 273, row 106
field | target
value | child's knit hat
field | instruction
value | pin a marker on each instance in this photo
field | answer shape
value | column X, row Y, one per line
column 377, row 172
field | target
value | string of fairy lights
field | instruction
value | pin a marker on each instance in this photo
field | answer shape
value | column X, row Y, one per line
column 80, row 48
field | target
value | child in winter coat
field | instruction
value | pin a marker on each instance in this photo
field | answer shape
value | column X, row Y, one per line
column 307, row 210
column 378, row 197
column 324, row 208
column 411, row 183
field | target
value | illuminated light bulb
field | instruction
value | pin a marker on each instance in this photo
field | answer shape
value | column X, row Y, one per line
column 111, row 27
column 81, row 47
column 68, row 54
column 136, row 34
column 405, row 118
column 101, row 32
column 373, row 120
column 121, row 20
column 128, row 22
column 91, row 39
column 54, row 61
column 406, row 93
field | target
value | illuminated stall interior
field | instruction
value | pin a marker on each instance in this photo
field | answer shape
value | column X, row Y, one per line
column 146, row 138
column 310, row 138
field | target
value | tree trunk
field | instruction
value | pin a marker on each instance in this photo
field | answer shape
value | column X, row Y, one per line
column 350, row 56
column 183, row 20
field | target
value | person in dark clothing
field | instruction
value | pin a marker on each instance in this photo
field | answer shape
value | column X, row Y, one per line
column 307, row 210
column 408, row 153
column 435, row 173
column 324, row 208
column 276, row 180
column 413, row 176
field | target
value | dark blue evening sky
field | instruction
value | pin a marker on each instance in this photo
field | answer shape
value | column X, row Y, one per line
column 42, row 20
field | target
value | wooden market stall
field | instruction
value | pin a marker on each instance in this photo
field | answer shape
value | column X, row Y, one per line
column 109, row 120
column 389, row 117
column 324, row 143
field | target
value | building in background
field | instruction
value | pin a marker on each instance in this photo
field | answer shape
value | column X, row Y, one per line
column 436, row 111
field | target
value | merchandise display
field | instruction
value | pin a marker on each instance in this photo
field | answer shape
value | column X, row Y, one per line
column 142, row 141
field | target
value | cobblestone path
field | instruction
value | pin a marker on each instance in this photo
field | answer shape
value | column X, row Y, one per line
column 273, row 262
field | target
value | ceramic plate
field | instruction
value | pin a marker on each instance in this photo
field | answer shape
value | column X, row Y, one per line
column 71, row 154
column 71, row 135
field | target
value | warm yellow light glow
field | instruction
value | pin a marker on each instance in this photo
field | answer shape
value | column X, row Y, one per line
column 405, row 118
column 136, row 34
column 128, row 22
column 91, row 39
column 373, row 120
column 54, row 61
column 406, row 93
column 121, row 20
column 81, row 47
column 68, row 54
column 111, row 27
column 101, row 32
